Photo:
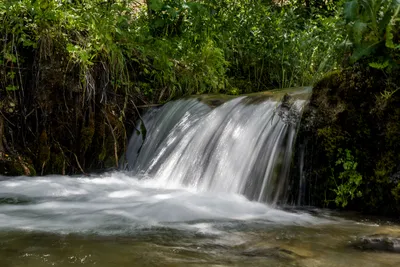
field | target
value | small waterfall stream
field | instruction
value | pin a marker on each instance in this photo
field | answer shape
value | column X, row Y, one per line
column 239, row 147
column 200, row 190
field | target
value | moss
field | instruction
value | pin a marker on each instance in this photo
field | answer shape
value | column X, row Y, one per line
column 86, row 139
column 57, row 163
column 103, row 153
column 345, row 112
column 396, row 193
column 384, row 167
column 16, row 166
column 108, row 153
column 32, row 169
column 214, row 100
column 329, row 79
column 393, row 130
column 331, row 140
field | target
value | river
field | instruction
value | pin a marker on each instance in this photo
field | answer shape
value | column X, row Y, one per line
column 202, row 187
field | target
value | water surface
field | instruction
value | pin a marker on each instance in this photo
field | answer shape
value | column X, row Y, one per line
column 119, row 220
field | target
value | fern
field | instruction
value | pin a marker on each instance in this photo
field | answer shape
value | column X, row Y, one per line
column 389, row 36
column 380, row 66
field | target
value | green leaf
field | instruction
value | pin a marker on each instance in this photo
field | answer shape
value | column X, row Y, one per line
column 378, row 65
column 389, row 36
column 11, row 88
column 156, row 5
column 365, row 49
column 159, row 23
column 358, row 30
column 351, row 10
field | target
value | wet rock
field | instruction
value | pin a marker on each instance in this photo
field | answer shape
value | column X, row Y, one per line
column 347, row 112
column 288, row 111
column 384, row 243
column 14, row 199
column 214, row 100
column 271, row 252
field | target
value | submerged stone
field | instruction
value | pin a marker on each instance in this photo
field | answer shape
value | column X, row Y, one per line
column 384, row 243
column 272, row 252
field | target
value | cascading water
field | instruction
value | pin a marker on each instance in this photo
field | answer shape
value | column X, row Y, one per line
column 185, row 200
column 239, row 147
column 198, row 169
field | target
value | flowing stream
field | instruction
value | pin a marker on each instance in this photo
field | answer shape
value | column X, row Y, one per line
column 203, row 187
column 239, row 147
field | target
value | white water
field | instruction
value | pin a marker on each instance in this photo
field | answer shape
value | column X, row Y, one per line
column 198, row 171
column 235, row 148
column 118, row 203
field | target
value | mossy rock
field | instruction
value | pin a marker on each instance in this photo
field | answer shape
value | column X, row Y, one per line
column 214, row 100
column 346, row 112
column 296, row 93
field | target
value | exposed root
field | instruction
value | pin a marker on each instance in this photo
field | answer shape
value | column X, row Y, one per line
column 79, row 165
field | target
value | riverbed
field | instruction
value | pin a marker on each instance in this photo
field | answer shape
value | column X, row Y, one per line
column 115, row 219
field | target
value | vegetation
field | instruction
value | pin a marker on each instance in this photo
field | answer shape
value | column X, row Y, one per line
column 372, row 26
column 74, row 75
column 350, row 179
column 349, row 130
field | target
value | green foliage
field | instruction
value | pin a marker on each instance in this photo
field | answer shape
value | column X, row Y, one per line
column 66, row 58
column 349, row 180
column 275, row 47
column 373, row 28
column 180, row 47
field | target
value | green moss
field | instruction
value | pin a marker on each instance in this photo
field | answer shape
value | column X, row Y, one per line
column 103, row 153
column 343, row 114
column 214, row 100
column 57, row 162
column 329, row 79
column 32, row 169
column 393, row 131
column 331, row 140
column 396, row 192
column 87, row 134
column 16, row 166
column 384, row 167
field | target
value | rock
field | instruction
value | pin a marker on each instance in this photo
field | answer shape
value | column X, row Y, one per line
column 271, row 252
column 214, row 100
column 14, row 199
column 288, row 111
column 348, row 113
column 384, row 243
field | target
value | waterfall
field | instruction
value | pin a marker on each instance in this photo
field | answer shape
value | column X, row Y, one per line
column 241, row 146
column 191, row 168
